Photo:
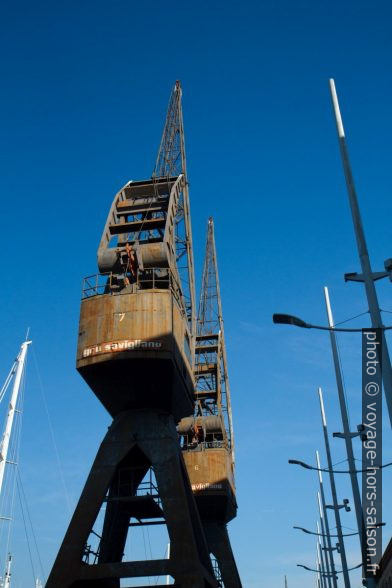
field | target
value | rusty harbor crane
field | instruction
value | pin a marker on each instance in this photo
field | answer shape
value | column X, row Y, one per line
column 208, row 438
column 136, row 351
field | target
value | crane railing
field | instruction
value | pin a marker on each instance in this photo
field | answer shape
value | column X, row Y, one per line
column 147, row 279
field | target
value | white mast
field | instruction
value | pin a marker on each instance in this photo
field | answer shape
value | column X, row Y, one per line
column 19, row 363
column 17, row 370
column 7, row 577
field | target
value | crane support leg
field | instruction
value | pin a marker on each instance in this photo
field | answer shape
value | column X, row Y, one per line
column 219, row 544
column 132, row 436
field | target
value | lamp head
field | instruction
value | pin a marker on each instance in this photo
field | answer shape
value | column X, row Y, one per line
column 300, row 463
column 288, row 319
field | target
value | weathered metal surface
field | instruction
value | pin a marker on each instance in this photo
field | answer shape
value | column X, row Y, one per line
column 211, row 424
column 154, row 255
column 212, row 480
column 144, row 315
column 129, row 344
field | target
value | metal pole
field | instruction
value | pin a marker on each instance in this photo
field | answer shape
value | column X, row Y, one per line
column 334, row 495
column 168, row 557
column 11, row 410
column 323, row 511
column 367, row 274
column 321, row 562
column 321, row 579
column 324, row 549
column 346, row 429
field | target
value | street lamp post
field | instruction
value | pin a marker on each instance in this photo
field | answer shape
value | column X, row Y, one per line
column 368, row 276
column 334, row 495
column 327, row 546
column 347, row 435
column 321, row 578
column 326, row 572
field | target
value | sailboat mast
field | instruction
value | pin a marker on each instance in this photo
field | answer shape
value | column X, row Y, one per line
column 7, row 577
column 20, row 361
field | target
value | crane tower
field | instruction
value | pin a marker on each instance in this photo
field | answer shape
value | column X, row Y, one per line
column 208, row 437
column 136, row 353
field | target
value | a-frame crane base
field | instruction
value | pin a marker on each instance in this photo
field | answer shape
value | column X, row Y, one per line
column 135, row 442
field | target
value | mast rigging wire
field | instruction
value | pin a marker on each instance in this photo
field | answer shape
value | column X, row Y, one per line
column 60, row 469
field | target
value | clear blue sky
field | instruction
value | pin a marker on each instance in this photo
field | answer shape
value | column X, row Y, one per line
column 84, row 93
